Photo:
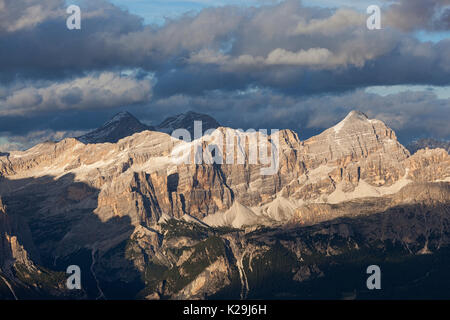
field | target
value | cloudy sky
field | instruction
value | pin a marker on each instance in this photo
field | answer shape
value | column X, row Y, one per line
column 292, row 64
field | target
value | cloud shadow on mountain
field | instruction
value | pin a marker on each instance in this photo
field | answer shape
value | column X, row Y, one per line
column 66, row 231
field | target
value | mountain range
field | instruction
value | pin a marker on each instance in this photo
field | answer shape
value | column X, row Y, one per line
column 142, row 226
column 124, row 124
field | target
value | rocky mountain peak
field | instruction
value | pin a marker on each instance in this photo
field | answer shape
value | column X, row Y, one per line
column 186, row 121
column 122, row 125
column 121, row 116
column 356, row 114
column 353, row 121
column 357, row 137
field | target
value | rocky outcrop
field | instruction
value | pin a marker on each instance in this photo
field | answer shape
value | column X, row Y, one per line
column 21, row 277
column 429, row 165
column 211, row 280
column 16, row 245
column 287, row 261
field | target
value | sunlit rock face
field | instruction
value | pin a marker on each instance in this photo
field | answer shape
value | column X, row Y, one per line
column 78, row 197
column 138, row 179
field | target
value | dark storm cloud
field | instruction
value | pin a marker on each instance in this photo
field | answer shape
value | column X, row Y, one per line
column 103, row 90
column 109, row 38
column 47, row 48
column 301, row 51
column 411, row 114
column 275, row 46
column 408, row 15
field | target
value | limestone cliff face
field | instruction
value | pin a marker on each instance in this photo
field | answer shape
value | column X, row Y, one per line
column 196, row 262
column 20, row 275
column 115, row 201
column 429, row 165
column 136, row 181
column 15, row 240
column 214, row 278
column 355, row 149
column 5, row 246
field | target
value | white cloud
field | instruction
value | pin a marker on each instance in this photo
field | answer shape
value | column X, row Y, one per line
column 321, row 58
column 10, row 143
column 95, row 91
column 440, row 92
column 311, row 57
column 27, row 14
column 341, row 20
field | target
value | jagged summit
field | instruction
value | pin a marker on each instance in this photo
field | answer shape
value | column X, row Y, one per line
column 122, row 125
column 357, row 135
column 120, row 116
column 186, row 121
column 352, row 119
column 356, row 114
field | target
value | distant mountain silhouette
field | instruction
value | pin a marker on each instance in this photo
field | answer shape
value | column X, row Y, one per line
column 428, row 143
column 186, row 121
column 120, row 126
column 124, row 124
